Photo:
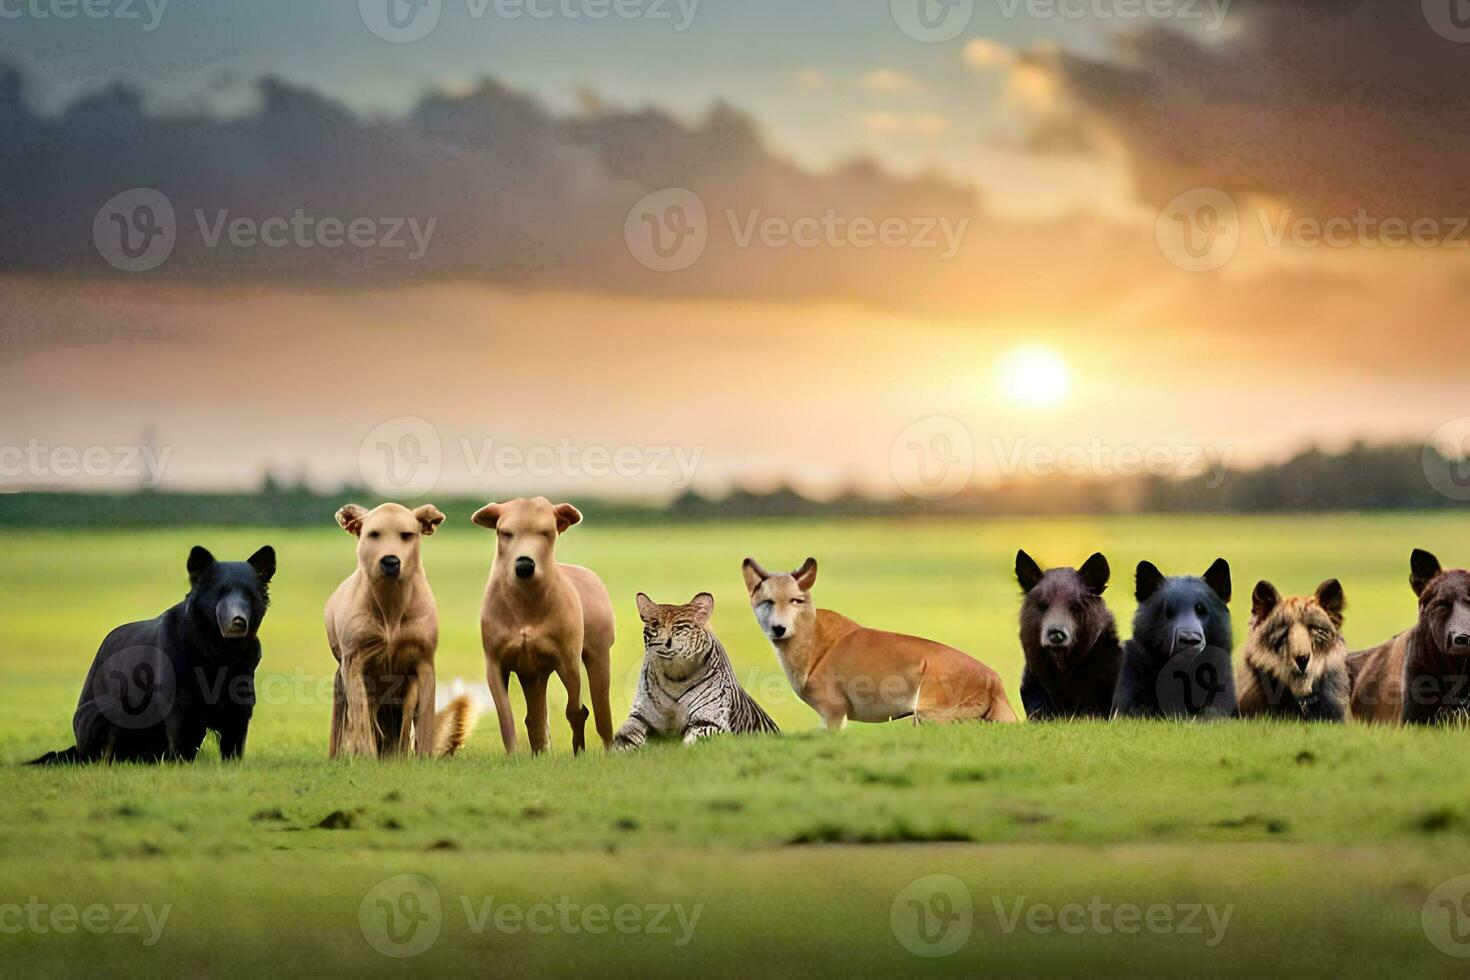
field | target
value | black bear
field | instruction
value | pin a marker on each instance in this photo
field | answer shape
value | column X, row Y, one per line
column 156, row 687
column 1177, row 665
column 1070, row 640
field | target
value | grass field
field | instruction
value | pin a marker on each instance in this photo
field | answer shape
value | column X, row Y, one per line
column 1232, row 848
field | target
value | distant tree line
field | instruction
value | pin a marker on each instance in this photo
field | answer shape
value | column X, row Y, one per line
column 1361, row 478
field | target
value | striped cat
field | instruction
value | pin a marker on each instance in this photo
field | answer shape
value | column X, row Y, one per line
column 687, row 689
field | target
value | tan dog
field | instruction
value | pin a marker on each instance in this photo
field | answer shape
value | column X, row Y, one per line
column 846, row 671
column 539, row 618
column 383, row 628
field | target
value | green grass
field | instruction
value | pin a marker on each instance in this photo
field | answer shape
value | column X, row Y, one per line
column 1322, row 844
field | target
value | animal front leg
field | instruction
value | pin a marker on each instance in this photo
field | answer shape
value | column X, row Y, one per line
column 339, row 714
column 571, row 679
column 361, row 725
column 698, row 730
column 424, row 719
column 536, row 731
column 232, row 739
column 632, row 735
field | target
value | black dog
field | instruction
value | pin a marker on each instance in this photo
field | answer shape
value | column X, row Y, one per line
column 1070, row 640
column 156, row 687
column 1178, row 662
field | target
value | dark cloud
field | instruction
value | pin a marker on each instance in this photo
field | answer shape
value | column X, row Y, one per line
column 1331, row 107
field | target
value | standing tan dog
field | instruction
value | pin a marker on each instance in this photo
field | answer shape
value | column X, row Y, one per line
column 539, row 618
column 383, row 628
column 846, row 671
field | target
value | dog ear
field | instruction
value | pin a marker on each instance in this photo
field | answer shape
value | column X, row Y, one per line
column 806, row 575
column 754, row 574
column 430, row 517
column 1332, row 599
column 350, row 517
column 1218, row 579
column 1028, row 573
column 704, row 606
column 264, row 563
column 566, row 516
column 1264, row 599
column 200, row 561
column 1423, row 567
column 487, row 516
column 646, row 608
column 1095, row 574
column 1147, row 581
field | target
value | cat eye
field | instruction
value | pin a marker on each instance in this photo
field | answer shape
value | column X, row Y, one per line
column 798, row 601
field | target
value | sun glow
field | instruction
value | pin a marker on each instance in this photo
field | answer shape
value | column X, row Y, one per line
column 1033, row 377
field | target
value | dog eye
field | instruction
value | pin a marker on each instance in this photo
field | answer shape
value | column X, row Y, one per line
column 797, row 601
column 373, row 534
column 406, row 535
column 1199, row 609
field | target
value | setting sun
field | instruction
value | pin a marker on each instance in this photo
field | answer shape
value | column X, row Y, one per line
column 1035, row 377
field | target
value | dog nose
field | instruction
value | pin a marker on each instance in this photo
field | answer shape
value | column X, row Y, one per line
column 1056, row 637
column 525, row 567
column 390, row 564
column 778, row 630
column 1301, row 664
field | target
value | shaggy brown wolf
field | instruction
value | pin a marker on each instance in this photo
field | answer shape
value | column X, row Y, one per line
column 1294, row 663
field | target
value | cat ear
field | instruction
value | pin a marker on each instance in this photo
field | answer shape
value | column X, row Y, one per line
column 704, row 606
column 646, row 608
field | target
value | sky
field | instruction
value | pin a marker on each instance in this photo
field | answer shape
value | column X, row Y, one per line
column 723, row 244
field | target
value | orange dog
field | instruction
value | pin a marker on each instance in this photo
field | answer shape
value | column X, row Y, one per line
column 541, row 618
column 848, row 672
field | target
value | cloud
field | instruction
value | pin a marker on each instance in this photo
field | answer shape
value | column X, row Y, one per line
column 811, row 78
column 984, row 54
column 906, row 124
column 1327, row 107
column 886, row 80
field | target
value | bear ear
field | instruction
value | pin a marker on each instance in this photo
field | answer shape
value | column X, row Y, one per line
column 754, row 574
column 806, row 575
column 200, row 561
column 1423, row 567
column 1147, row 581
column 1095, row 574
column 1218, row 579
column 566, row 516
column 1264, row 599
column 703, row 606
column 487, row 516
column 429, row 518
column 350, row 518
column 647, row 608
column 1028, row 573
column 264, row 563
column 1332, row 600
